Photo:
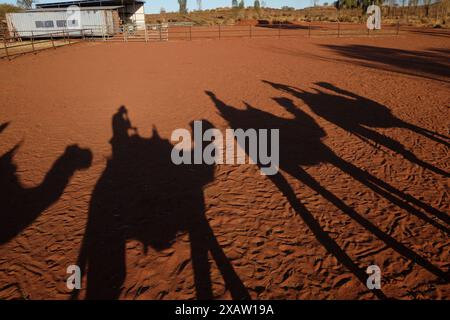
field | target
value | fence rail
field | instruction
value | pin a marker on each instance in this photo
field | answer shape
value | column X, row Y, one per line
column 11, row 46
column 278, row 30
column 17, row 44
column 165, row 32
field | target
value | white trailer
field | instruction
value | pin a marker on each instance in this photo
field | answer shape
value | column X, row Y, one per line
column 96, row 21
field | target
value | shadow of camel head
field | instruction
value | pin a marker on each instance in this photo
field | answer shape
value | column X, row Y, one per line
column 76, row 158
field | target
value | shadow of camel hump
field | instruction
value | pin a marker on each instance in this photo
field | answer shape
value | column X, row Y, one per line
column 354, row 113
column 373, row 114
column 142, row 195
column 21, row 205
column 301, row 145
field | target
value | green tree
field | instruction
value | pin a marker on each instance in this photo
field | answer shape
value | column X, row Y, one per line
column 7, row 8
column 241, row 4
column 26, row 4
column 427, row 4
column 364, row 4
column 234, row 3
column 183, row 6
column 257, row 5
column 347, row 4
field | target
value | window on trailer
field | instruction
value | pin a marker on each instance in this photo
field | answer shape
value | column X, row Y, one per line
column 72, row 23
column 44, row 24
column 61, row 23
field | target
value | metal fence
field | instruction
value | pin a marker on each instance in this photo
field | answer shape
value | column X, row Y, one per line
column 13, row 45
column 310, row 29
column 167, row 32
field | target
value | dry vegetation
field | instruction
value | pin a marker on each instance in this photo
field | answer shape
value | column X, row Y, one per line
column 4, row 9
column 435, row 15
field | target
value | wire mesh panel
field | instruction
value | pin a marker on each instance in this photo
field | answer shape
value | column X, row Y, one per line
column 157, row 32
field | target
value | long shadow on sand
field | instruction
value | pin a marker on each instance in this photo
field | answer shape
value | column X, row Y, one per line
column 142, row 195
column 3, row 126
column 301, row 145
column 429, row 64
column 21, row 205
column 358, row 115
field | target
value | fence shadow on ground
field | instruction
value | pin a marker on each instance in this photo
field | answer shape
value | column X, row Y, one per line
column 429, row 64
column 288, row 26
column 300, row 145
column 434, row 33
column 142, row 195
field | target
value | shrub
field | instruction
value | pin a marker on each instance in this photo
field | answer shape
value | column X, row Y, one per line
column 6, row 8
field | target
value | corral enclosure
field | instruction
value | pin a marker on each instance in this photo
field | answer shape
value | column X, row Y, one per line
column 364, row 150
column 20, row 42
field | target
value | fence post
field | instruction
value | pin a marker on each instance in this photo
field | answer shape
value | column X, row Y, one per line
column 145, row 32
column 339, row 29
column 82, row 34
column 32, row 40
column 53, row 42
column 190, row 33
column 309, row 29
column 6, row 48
column 398, row 27
column 68, row 36
column 250, row 30
column 160, row 34
column 220, row 32
column 279, row 30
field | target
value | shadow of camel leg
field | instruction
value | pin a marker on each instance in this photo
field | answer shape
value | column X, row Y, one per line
column 397, row 147
column 392, row 194
column 437, row 137
column 388, row 240
column 201, row 266
column 106, row 271
column 203, row 241
column 329, row 244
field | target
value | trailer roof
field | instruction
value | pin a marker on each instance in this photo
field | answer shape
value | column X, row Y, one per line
column 87, row 3
column 81, row 8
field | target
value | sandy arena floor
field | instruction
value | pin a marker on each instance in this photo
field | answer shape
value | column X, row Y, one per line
column 364, row 135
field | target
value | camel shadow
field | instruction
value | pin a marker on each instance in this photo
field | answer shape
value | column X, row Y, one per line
column 301, row 145
column 357, row 115
column 142, row 195
column 3, row 126
column 21, row 205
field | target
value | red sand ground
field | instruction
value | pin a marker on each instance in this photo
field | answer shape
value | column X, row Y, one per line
column 277, row 248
